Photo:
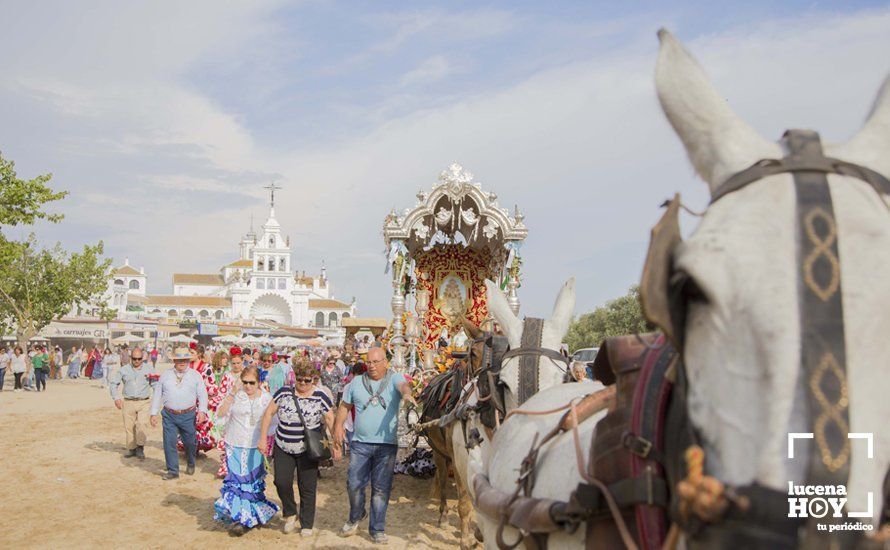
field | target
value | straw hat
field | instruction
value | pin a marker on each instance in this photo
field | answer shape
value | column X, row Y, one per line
column 181, row 354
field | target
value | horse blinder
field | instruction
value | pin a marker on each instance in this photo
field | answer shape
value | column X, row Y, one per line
column 664, row 290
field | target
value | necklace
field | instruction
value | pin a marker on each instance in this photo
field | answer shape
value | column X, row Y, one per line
column 253, row 418
column 179, row 377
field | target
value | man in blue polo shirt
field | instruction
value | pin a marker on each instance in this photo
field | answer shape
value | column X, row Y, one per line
column 376, row 396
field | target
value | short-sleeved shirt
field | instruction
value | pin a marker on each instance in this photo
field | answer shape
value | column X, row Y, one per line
column 40, row 360
column 374, row 423
column 290, row 434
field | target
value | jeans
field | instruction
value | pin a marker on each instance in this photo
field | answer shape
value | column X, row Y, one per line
column 40, row 375
column 370, row 463
column 182, row 425
column 18, row 380
column 2, row 377
column 307, row 483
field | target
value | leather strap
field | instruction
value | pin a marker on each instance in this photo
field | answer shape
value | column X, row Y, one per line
column 822, row 345
column 645, row 489
column 539, row 352
column 532, row 332
column 797, row 162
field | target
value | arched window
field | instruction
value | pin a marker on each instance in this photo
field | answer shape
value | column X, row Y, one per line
column 219, row 314
column 270, row 283
column 271, row 241
column 282, row 284
column 134, row 284
column 282, row 265
column 156, row 310
column 332, row 320
column 203, row 314
column 119, row 282
column 319, row 319
column 346, row 315
column 260, row 283
column 188, row 313
column 172, row 313
column 259, row 263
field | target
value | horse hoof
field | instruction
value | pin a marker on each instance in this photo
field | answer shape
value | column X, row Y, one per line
column 478, row 534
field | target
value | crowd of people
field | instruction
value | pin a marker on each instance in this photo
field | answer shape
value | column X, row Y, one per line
column 32, row 366
column 288, row 413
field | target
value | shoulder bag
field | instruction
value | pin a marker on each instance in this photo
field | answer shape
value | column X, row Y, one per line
column 318, row 446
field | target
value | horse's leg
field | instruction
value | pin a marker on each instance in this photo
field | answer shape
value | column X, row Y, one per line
column 440, row 486
column 465, row 510
column 440, row 481
column 464, row 500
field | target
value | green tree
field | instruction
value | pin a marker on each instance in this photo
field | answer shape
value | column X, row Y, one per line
column 39, row 285
column 616, row 317
column 21, row 201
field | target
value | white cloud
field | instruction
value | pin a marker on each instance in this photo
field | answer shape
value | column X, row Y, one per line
column 582, row 148
column 429, row 71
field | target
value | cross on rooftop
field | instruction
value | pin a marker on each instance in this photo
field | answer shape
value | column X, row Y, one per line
column 272, row 188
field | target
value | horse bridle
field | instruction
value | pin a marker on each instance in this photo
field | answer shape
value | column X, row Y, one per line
column 823, row 347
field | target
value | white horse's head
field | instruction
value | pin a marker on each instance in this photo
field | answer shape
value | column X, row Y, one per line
column 742, row 330
column 550, row 373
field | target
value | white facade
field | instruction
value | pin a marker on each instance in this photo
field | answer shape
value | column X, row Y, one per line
column 123, row 282
column 260, row 285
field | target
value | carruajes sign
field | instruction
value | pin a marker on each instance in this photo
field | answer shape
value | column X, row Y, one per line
column 75, row 330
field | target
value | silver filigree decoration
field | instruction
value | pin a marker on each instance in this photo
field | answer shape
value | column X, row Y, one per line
column 443, row 216
column 468, row 216
column 455, row 179
column 490, row 230
column 422, row 230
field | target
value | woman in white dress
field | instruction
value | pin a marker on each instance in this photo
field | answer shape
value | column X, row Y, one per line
column 242, row 502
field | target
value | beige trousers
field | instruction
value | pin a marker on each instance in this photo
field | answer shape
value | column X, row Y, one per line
column 136, row 415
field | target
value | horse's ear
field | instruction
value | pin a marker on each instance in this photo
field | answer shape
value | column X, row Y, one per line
column 563, row 308
column 718, row 142
column 511, row 326
column 870, row 145
column 474, row 331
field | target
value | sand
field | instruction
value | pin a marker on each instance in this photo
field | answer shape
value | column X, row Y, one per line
column 65, row 484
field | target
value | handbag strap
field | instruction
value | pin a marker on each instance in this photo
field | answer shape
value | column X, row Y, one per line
column 293, row 392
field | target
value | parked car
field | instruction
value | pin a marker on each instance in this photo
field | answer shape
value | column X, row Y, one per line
column 582, row 358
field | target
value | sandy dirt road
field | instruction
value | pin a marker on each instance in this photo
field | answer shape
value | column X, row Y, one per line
column 65, row 484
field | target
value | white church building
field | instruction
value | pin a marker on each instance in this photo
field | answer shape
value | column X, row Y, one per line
column 261, row 284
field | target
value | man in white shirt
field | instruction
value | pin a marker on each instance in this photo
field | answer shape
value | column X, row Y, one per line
column 177, row 392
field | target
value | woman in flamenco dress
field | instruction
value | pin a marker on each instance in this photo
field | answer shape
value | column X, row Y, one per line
column 205, row 438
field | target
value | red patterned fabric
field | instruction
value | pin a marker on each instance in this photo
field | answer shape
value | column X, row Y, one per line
column 221, row 390
column 470, row 266
column 206, row 441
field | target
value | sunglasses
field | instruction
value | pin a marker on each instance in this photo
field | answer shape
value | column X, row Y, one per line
column 304, row 380
column 136, row 358
column 249, row 382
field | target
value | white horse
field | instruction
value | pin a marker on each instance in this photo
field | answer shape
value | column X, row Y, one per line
column 500, row 457
column 742, row 345
column 742, row 342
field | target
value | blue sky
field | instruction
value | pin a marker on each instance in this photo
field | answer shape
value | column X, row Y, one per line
column 165, row 119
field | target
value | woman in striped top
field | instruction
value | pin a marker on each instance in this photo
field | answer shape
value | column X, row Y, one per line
column 289, row 452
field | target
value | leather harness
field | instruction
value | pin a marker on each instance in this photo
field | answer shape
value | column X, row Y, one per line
column 529, row 351
column 822, row 377
column 822, row 380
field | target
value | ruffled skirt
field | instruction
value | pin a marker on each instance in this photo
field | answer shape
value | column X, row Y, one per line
column 242, row 496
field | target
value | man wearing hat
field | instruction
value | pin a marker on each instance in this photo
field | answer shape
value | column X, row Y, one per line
column 178, row 391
